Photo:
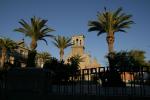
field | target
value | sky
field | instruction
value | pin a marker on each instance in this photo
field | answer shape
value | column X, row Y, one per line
column 70, row 17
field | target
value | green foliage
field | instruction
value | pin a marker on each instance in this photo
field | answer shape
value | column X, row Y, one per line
column 75, row 61
column 58, row 70
column 7, row 43
column 129, row 60
column 51, row 64
column 138, row 57
column 44, row 56
column 110, row 21
column 36, row 30
column 62, row 42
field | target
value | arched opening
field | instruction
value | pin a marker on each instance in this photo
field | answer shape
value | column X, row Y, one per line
column 77, row 41
column 80, row 42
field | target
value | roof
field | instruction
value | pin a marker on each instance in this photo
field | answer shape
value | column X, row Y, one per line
column 78, row 35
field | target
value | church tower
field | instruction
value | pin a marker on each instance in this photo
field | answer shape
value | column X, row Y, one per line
column 78, row 49
column 78, row 45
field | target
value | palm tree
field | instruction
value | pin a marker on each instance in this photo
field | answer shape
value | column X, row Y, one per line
column 43, row 57
column 62, row 42
column 74, row 62
column 110, row 23
column 36, row 30
column 6, row 44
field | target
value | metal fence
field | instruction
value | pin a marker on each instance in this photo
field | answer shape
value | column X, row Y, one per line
column 95, row 81
column 102, row 82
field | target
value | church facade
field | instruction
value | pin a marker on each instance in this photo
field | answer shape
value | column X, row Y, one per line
column 78, row 49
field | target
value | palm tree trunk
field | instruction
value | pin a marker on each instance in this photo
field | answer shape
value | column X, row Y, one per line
column 33, row 44
column 31, row 58
column 113, row 76
column 32, row 54
column 3, row 57
column 110, row 41
column 61, row 55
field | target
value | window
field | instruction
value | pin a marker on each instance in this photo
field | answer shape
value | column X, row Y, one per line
column 77, row 41
column 80, row 42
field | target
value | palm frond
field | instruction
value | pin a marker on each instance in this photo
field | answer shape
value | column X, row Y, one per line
column 25, row 24
column 93, row 29
column 55, row 44
column 44, row 40
column 96, row 26
column 100, row 32
column 46, row 30
column 36, row 29
column 21, row 30
column 124, row 18
column 110, row 21
column 7, row 43
column 94, row 23
column 121, row 30
column 125, row 24
column 62, row 42
column 48, row 35
column 117, row 12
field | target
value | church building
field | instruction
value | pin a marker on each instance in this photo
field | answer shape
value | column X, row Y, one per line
column 79, row 49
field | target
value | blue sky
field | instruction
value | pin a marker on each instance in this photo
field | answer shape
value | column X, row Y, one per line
column 70, row 17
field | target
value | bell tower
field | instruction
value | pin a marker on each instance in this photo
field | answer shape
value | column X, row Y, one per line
column 78, row 45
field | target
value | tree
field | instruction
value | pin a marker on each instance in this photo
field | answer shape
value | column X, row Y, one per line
column 58, row 70
column 43, row 57
column 138, row 57
column 129, row 60
column 6, row 44
column 62, row 42
column 36, row 30
column 110, row 22
column 74, row 62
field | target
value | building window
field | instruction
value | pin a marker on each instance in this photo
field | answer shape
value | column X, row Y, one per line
column 77, row 41
column 80, row 42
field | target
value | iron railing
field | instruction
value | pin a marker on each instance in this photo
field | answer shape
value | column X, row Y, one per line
column 95, row 81
column 100, row 81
